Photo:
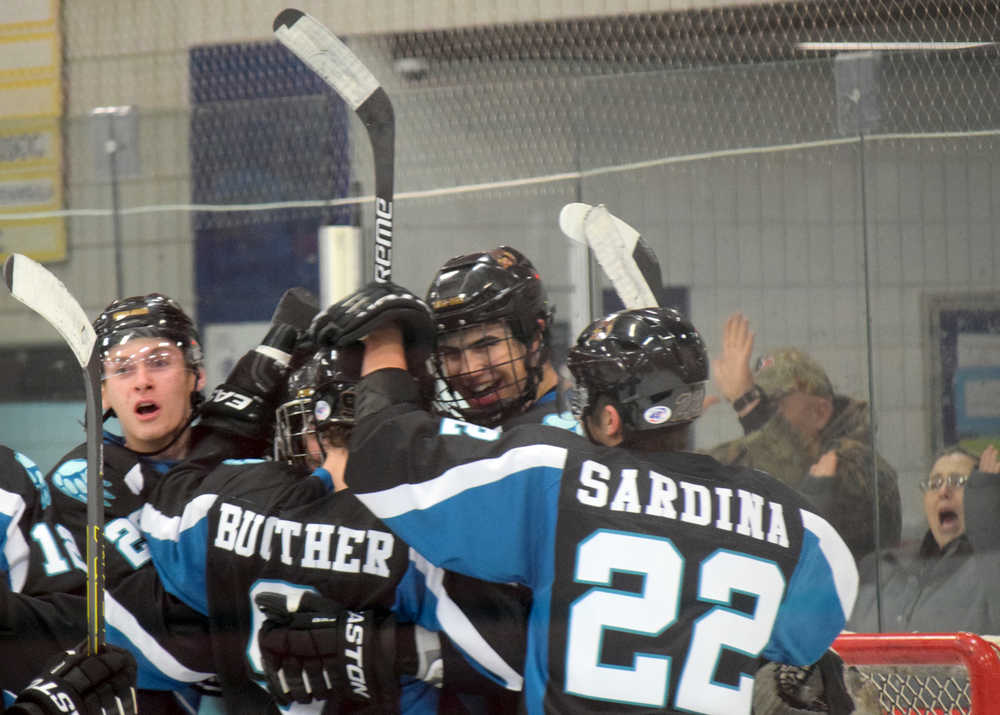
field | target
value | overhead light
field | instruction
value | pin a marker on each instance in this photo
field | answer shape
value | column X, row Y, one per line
column 890, row 46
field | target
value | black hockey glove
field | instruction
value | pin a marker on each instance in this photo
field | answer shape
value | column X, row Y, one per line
column 322, row 652
column 793, row 690
column 359, row 314
column 244, row 404
column 102, row 684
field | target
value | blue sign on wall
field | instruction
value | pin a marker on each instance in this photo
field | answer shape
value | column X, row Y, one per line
column 264, row 130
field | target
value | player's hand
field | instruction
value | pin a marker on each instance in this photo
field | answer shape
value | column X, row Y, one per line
column 319, row 651
column 359, row 314
column 825, row 466
column 244, row 404
column 102, row 684
column 792, row 690
column 731, row 368
column 989, row 460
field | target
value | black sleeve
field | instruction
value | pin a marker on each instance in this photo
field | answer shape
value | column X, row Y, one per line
column 34, row 629
column 758, row 416
column 386, row 388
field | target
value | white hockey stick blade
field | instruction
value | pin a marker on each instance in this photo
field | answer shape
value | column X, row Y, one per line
column 325, row 54
column 620, row 251
column 33, row 284
column 571, row 221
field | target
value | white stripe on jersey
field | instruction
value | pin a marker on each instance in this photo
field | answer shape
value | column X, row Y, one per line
column 458, row 627
column 845, row 573
column 119, row 618
column 392, row 502
column 158, row 525
column 15, row 547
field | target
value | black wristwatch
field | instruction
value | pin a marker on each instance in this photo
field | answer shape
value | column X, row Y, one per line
column 751, row 395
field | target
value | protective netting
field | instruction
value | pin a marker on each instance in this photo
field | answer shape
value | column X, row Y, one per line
column 827, row 190
column 918, row 690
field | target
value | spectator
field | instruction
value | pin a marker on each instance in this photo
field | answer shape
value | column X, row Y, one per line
column 800, row 431
column 944, row 584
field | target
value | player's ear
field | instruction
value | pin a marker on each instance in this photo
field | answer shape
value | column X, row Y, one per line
column 200, row 381
column 605, row 426
column 105, row 405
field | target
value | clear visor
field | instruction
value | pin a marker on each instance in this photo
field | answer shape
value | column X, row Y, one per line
column 123, row 360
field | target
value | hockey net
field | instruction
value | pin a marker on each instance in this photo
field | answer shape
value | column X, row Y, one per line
column 924, row 673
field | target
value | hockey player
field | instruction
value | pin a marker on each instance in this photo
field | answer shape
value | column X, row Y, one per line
column 223, row 534
column 494, row 368
column 659, row 577
column 493, row 356
column 23, row 496
column 152, row 379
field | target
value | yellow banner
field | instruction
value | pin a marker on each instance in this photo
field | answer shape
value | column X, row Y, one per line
column 31, row 106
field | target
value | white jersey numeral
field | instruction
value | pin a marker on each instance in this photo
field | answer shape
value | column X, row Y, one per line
column 54, row 563
column 654, row 609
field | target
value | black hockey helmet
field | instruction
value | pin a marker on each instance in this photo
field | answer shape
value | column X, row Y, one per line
column 148, row 316
column 319, row 393
column 500, row 285
column 650, row 362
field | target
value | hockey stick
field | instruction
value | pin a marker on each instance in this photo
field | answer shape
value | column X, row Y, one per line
column 625, row 258
column 32, row 284
column 328, row 57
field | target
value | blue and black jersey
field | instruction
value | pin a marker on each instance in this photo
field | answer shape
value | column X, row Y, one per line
column 658, row 580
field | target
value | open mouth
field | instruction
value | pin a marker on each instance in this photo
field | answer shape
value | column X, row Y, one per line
column 948, row 518
column 146, row 409
column 482, row 396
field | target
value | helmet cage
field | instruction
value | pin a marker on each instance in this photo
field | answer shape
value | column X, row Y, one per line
column 320, row 393
column 514, row 369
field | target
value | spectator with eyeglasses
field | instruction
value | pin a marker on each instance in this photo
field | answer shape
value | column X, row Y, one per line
column 947, row 582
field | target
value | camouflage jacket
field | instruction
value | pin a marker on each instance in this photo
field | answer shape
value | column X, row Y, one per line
column 845, row 499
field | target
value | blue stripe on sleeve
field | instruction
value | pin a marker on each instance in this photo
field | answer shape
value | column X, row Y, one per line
column 178, row 546
column 812, row 614
column 486, row 532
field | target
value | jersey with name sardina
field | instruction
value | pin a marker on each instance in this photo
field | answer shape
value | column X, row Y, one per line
column 657, row 579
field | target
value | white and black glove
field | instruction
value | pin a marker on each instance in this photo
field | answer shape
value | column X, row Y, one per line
column 244, row 404
column 319, row 651
column 352, row 318
column 102, row 684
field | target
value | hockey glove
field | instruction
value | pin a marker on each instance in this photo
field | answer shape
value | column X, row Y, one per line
column 321, row 652
column 102, row 684
column 359, row 314
column 244, row 404
column 793, row 690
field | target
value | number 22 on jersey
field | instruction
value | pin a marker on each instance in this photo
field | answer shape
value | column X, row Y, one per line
column 654, row 610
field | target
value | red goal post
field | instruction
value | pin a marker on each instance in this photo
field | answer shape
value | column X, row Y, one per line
column 919, row 673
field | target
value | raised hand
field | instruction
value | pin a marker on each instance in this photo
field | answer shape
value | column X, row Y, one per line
column 731, row 368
